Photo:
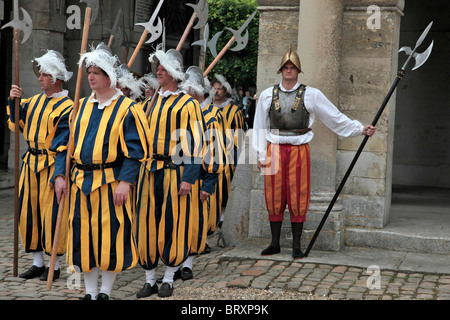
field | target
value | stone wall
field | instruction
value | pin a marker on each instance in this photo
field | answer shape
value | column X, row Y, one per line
column 48, row 33
column 368, row 68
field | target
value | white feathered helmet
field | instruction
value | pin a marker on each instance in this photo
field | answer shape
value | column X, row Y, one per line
column 194, row 83
column 223, row 81
column 126, row 79
column 103, row 58
column 172, row 61
column 150, row 81
column 52, row 63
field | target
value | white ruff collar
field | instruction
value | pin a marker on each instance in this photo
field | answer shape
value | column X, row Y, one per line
column 223, row 104
column 60, row 94
column 168, row 93
column 101, row 106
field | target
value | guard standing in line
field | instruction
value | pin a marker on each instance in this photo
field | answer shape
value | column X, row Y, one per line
column 38, row 206
column 110, row 135
column 165, row 183
column 234, row 132
column 204, row 191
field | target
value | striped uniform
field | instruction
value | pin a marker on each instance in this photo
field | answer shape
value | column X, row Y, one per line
column 164, row 219
column 287, row 181
column 213, row 165
column 38, row 208
column 100, row 233
column 234, row 131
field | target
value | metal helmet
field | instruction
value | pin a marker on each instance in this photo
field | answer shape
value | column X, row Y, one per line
column 194, row 83
column 291, row 56
column 172, row 61
column 52, row 63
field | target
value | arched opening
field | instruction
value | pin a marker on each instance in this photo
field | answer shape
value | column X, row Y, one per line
column 421, row 159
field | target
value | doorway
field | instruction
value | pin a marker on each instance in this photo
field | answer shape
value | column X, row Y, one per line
column 421, row 159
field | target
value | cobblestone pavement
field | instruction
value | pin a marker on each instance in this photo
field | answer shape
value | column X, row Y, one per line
column 218, row 277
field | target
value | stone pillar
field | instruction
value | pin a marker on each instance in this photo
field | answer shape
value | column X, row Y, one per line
column 320, row 29
column 319, row 48
column 368, row 68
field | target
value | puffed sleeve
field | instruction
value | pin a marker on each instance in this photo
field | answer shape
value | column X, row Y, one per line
column 57, row 142
column 134, row 142
column 10, row 110
column 192, row 146
column 214, row 153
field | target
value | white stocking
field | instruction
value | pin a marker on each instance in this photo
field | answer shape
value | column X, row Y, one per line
column 38, row 259
column 150, row 276
column 188, row 262
column 91, row 283
column 108, row 278
column 168, row 274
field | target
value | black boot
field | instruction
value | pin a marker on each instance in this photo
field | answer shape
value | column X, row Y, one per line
column 297, row 229
column 274, row 247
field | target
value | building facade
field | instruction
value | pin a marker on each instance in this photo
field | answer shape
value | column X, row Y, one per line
column 349, row 50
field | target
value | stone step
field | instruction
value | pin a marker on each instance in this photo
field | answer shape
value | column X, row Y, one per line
column 391, row 238
column 6, row 179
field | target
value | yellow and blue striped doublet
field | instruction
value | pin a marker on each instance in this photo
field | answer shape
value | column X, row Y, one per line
column 234, row 132
column 213, row 164
column 38, row 210
column 165, row 218
column 100, row 233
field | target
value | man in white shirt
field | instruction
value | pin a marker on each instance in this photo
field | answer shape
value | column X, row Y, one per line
column 282, row 131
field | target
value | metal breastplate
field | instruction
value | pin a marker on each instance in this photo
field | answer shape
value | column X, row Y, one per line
column 288, row 113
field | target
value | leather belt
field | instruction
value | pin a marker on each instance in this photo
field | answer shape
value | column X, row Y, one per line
column 37, row 152
column 292, row 132
column 98, row 166
column 166, row 159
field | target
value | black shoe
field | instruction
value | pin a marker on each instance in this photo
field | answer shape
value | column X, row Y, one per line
column 102, row 296
column 206, row 250
column 44, row 276
column 166, row 290
column 86, row 297
column 33, row 272
column 297, row 253
column 176, row 276
column 186, row 273
column 147, row 290
column 270, row 250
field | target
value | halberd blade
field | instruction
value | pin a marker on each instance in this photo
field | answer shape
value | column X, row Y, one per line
column 424, row 34
column 421, row 58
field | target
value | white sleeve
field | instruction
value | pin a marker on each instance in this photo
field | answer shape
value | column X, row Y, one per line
column 261, row 124
column 335, row 120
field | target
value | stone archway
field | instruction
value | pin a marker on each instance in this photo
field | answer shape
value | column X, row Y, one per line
column 421, row 153
column 421, row 158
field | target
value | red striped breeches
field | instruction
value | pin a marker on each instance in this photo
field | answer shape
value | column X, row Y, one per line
column 287, row 181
